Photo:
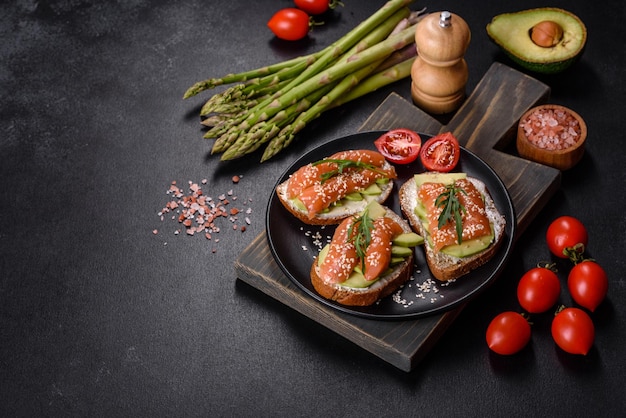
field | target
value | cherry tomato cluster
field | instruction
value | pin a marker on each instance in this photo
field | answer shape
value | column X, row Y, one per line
column 294, row 23
column 539, row 289
column 402, row 146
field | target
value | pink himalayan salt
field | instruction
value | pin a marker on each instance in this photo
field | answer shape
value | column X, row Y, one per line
column 551, row 129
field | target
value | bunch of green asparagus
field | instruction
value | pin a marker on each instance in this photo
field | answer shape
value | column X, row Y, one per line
column 270, row 105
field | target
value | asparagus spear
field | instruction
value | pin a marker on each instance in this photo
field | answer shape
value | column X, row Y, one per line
column 375, row 81
column 372, row 30
column 286, row 136
column 336, row 72
column 326, row 54
column 273, row 103
column 262, row 132
column 210, row 83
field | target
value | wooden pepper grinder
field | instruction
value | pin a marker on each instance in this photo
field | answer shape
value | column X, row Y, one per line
column 439, row 73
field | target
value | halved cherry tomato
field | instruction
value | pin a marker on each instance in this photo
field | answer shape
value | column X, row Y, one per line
column 538, row 290
column 290, row 24
column 441, row 153
column 588, row 284
column 572, row 330
column 564, row 235
column 508, row 333
column 400, row 146
column 315, row 7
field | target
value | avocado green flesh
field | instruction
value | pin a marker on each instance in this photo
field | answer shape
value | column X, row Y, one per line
column 356, row 196
column 408, row 239
column 469, row 247
column 395, row 261
column 375, row 210
column 298, row 203
column 432, row 177
column 357, row 281
column 372, row 190
column 398, row 251
column 511, row 32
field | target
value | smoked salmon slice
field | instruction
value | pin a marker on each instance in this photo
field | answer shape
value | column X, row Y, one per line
column 341, row 258
column 378, row 253
column 320, row 196
column 311, row 174
column 474, row 218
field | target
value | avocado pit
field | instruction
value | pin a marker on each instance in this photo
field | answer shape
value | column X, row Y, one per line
column 546, row 34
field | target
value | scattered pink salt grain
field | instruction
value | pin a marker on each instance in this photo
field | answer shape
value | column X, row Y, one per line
column 551, row 129
column 199, row 213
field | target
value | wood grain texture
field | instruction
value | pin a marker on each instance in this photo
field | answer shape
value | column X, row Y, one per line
column 485, row 124
column 401, row 343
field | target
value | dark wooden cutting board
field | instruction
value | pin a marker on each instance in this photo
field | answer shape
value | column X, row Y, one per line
column 485, row 124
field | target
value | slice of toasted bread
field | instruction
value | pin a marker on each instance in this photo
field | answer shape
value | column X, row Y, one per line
column 337, row 213
column 443, row 266
column 384, row 286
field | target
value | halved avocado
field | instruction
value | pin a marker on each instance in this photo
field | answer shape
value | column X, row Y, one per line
column 512, row 32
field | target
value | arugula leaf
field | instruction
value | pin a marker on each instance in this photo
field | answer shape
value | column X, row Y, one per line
column 452, row 211
column 344, row 165
column 360, row 233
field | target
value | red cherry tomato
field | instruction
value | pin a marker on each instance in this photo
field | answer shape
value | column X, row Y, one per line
column 400, row 146
column 508, row 333
column 588, row 284
column 314, row 7
column 564, row 234
column 290, row 24
column 538, row 290
column 441, row 153
column 573, row 331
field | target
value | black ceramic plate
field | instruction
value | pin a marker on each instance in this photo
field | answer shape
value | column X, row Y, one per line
column 295, row 244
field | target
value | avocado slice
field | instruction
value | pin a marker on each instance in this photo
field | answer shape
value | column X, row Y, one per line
column 408, row 239
column 399, row 251
column 469, row 247
column 372, row 190
column 375, row 210
column 322, row 254
column 435, row 177
column 513, row 33
column 358, row 281
column 355, row 197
